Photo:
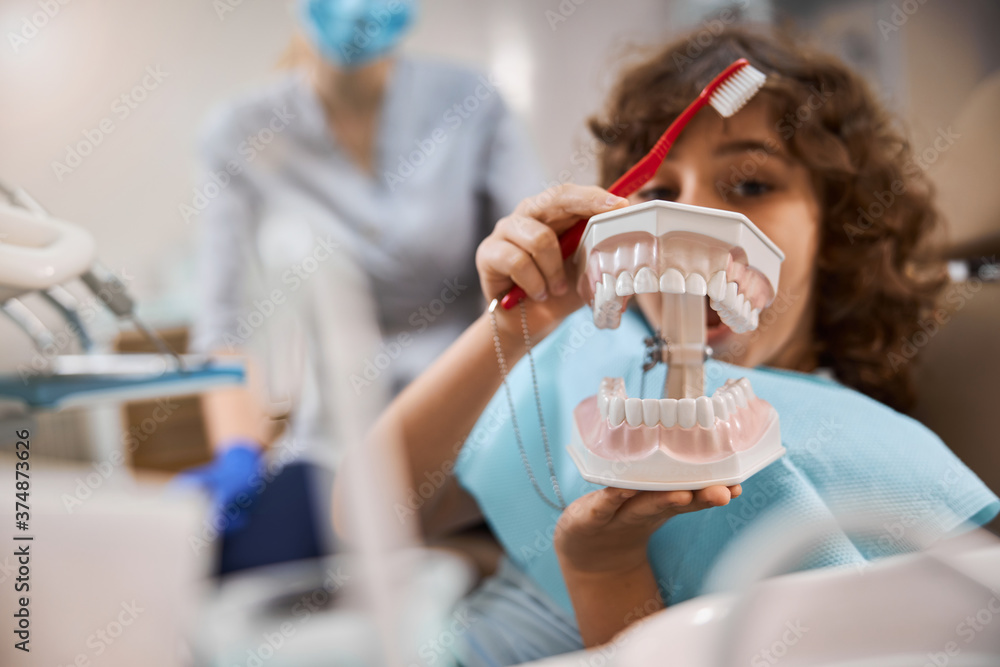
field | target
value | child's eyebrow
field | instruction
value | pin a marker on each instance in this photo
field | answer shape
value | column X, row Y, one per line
column 768, row 146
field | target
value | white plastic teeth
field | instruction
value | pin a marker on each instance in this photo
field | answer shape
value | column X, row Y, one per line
column 646, row 281
column 734, row 309
column 608, row 304
column 704, row 411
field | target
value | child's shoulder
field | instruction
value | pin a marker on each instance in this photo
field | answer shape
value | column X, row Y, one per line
column 861, row 455
column 812, row 403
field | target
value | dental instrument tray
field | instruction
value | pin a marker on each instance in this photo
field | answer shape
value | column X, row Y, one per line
column 72, row 380
column 676, row 257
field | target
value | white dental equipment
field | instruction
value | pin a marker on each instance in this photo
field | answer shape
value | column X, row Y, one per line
column 679, row 256
column 938, row 606
column 41, row 254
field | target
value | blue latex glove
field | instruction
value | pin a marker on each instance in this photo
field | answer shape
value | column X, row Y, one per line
column 230, row 480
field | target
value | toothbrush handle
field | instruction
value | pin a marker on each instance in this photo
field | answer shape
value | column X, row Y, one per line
column 630, row 181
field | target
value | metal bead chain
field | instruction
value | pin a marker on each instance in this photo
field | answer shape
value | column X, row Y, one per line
column 502, row 363
column 538, row 404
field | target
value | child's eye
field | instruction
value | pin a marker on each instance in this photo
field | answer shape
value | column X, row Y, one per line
column 658, row 192
column 752, row 189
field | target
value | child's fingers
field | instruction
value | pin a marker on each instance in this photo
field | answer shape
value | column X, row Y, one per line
column 631, row 507
column 561, row 206
column 598, row 508
column 501, row 262
column 657, row 504
column 541, row 243
column 654, row 504
column 713, row 496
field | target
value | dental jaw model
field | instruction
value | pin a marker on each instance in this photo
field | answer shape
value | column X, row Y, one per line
column 681, row 256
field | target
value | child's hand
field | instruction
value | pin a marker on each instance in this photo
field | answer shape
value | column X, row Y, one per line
column 524, row 250
column 606, row 532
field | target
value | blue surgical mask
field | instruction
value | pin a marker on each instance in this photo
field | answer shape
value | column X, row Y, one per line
column 350, row 33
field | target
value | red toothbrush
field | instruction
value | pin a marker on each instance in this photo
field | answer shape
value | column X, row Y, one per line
column 727, row 93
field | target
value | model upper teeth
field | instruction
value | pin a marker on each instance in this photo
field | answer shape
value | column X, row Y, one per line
column 608, row 305
column 725, row 297
column 717, row 286
column 678, row 249
column 646, row 281
column 672, row 282
column 695, row 284
column 704, row 411
column 625, row 284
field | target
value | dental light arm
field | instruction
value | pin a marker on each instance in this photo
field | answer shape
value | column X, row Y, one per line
column 37, row 253
column 61, row 299
column 26, row 319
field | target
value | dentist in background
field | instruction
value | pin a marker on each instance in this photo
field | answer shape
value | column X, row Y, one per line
column 404, row 163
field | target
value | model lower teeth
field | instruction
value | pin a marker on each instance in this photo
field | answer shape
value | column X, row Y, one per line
column 704, row 411
column 688, row 256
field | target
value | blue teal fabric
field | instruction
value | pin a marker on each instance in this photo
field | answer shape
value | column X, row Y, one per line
column 846, row 454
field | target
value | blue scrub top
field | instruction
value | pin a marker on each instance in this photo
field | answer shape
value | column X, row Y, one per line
column 450, row 160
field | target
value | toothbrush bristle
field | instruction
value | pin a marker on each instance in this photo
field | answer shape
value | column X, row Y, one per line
column 737, row 90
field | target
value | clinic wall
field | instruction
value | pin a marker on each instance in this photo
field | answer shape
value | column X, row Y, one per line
column 171, row 61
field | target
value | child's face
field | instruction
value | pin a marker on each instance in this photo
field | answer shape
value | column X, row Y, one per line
column 740, row 164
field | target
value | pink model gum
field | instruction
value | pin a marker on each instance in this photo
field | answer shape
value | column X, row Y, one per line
column 739, row 432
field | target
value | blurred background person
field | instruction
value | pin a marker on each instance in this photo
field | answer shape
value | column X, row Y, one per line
column 404, row 164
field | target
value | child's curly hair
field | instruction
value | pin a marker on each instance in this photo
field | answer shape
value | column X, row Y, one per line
column 872, row 294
